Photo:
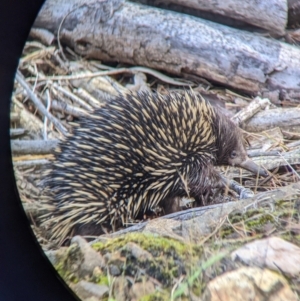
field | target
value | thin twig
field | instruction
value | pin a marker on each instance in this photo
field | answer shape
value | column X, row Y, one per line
column 132, row 70
column 73, row 97
column 31, row 163
column 48, row 109
column 289, row 165
column 39, row 104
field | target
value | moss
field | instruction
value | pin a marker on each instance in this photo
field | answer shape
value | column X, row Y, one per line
column 226, row 231
column 103, row 280
column 65, row 274
column 157, row 296
column 258, row 221
column 198, row 288
column 170, row 258
column 62, row 269
column 294, row 239
column 151, row 243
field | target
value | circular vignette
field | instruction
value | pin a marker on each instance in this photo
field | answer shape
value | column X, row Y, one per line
column 26, row 273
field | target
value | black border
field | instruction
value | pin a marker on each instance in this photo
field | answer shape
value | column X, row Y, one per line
column 25, row 273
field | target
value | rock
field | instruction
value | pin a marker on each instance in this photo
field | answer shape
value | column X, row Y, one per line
column 164, row 228
column 115, row 263
column 114, row 270
column 55, row 256
column 120, row 288
column 141, row 289
column 97, row 273
column 137, row 252
column 83, row 259
column 90, row 291
column 273, row 253
column 245, row 284
column 91, row 299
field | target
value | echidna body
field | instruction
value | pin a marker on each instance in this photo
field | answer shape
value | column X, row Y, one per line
column 132, row 154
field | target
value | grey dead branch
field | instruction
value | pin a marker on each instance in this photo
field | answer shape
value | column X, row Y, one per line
column 286, row 119
column 33, row 146
column 268, row 15
column 193, row 224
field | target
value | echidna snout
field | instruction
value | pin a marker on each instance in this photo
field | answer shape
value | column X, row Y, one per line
column 239, row 158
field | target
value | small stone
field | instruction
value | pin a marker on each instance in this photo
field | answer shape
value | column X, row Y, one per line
column 137, row 252
column 120, row 288
column 88, row 290
column 97, row 272
column 274, row 253
column 114, row 270
column 84, row 258
column 91, row 299
column 141, row 289
column 116, row 263
column 55, row 256
column 249, row 284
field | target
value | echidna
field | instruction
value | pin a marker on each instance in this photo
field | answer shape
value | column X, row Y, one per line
column 132, row 154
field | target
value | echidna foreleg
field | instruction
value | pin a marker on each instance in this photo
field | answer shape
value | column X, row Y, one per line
column 204, row 188
column 203, row 185
column 175, row 204
column 216, row 184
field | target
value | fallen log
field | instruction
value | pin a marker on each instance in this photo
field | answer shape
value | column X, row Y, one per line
column 270, row 15
column 179, row 44
column 284, row 118
column 192, row 224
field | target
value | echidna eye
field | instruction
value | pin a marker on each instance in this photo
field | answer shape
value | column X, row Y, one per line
column 233, row 154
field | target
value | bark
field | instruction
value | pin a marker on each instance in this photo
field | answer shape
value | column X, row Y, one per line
column 285, row 119
column 17, row 132
column 14, row 117
column 270, row 15
column 44, row 36
column 33, row 146
column 176, row 43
